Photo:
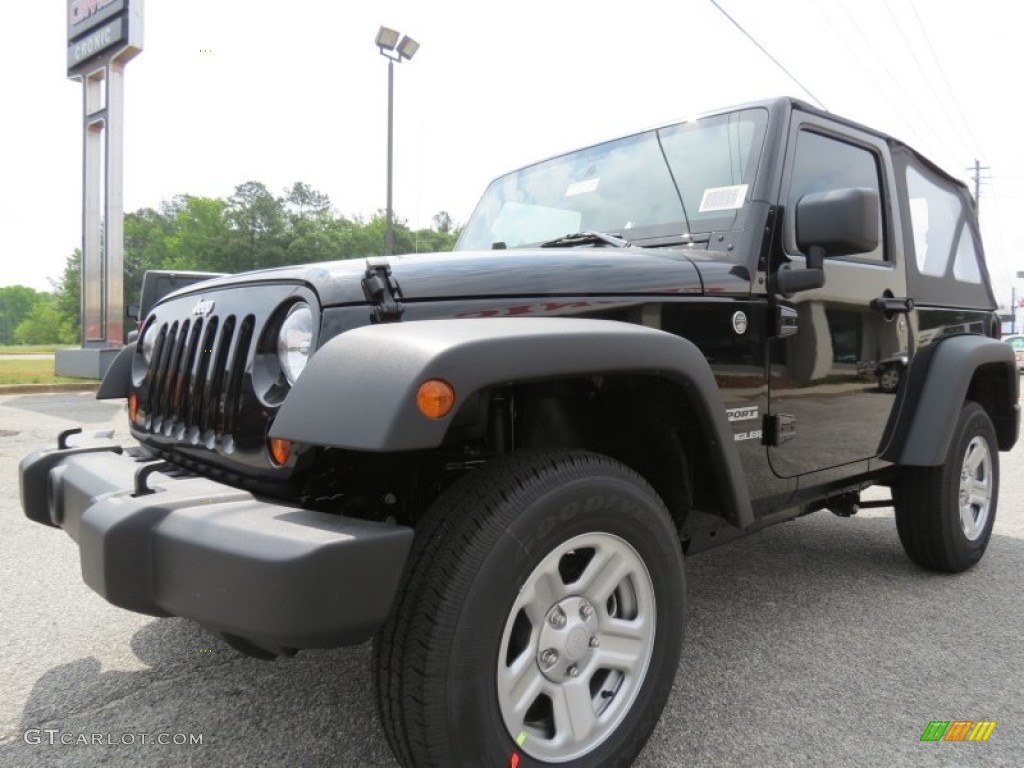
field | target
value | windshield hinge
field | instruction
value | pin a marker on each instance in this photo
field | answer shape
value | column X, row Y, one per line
column 382, row 289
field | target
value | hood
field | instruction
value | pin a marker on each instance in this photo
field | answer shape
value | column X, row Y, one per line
column 526, row 272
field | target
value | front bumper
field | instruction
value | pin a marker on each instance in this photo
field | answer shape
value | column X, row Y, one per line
column 263, row 574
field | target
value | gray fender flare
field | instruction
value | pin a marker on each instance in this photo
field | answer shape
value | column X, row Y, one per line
column 937, row 387
column 118, row 377
column 358, row 391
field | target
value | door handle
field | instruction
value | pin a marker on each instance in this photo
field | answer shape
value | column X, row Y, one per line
column 891, row 304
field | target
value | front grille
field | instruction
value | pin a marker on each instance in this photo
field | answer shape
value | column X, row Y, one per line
column 212, row 387
column 195, row 377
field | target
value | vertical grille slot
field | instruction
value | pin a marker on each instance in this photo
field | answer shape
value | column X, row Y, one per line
column 186, row 375
column 196, row 409
column 167, row 375
column 195, row 376
column 159, row 369
column 232, row 393
column 214, row 390
column 174, row 344
column 180, row 354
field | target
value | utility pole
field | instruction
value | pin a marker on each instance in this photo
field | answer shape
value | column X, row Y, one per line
column 978, row 168
column 1013, row 303
column 1013, row 308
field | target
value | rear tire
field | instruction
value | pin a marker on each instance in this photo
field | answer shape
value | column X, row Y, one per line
column 540, row 619
column 944, row 514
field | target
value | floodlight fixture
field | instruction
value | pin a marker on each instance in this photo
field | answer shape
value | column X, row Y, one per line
column 387, row 39
column 408, row 47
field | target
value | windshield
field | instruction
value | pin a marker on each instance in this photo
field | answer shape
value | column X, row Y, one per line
column 683, row 179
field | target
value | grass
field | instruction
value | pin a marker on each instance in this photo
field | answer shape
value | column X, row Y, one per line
column 33, row 372
column 28, row 349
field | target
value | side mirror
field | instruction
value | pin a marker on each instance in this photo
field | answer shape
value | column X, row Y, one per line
column 133, row 312
column 840, row 222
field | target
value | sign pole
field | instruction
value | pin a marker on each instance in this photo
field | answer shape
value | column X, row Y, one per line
column 103, row 35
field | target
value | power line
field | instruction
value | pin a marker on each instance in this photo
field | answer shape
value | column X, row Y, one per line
column 971, row 147
column 895, row 80
column 942, row 72
column 917, row 137
column 763, row 50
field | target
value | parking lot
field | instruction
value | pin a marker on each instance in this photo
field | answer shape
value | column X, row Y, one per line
column 814, row 643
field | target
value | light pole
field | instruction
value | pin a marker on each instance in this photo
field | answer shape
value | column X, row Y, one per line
column 392, row 50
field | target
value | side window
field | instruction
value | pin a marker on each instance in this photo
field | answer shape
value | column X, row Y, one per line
column 822, row 164
column 965, row 266
column 937, row 219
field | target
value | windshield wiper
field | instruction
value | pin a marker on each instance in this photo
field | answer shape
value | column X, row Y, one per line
column 587, row 238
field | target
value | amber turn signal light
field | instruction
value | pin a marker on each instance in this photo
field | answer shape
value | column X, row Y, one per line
column 280, row 450
column 133, row 407
column 435, row 398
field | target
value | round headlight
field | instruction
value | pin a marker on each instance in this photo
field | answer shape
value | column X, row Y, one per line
column 295, row 341
column 148, row 343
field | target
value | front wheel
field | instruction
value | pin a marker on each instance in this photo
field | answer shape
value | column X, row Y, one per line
column 540, row 622
column 889, row 379
column 944, row 514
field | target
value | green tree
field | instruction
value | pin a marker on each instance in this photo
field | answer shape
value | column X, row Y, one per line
column 146, row 246
column 67, row 293
column 301, row 201
column 443, row 222
column 45, row 324
column 250, row 230
column 312, row 234
column 199, row 235
column 257, row 222
column 16, row 303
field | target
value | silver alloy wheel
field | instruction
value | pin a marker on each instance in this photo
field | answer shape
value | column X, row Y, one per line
column 975, row 488
column 890, row 379
column 576, row 647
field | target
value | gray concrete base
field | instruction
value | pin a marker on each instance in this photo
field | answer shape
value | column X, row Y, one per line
column 84, row 363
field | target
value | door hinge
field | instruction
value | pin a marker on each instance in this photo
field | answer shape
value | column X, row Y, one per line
column 380, row 287
column 778, row 428
column 785, row 322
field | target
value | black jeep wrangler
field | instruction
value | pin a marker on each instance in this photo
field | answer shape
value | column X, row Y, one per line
column 494, row 462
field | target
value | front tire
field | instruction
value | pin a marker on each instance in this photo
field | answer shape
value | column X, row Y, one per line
column 945, row 514
column 540, row 620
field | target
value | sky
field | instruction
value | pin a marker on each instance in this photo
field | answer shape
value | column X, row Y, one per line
column 228, row 91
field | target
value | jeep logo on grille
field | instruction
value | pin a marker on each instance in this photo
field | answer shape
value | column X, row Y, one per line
column 203, row 308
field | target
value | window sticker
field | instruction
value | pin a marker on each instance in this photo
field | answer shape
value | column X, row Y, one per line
column 723, row 198
column 582, row 187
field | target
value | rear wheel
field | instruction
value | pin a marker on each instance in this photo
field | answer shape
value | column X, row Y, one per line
column 944, row 514
column 540, row 621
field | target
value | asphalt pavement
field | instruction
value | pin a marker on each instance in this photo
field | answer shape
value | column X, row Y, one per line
column 815, row 642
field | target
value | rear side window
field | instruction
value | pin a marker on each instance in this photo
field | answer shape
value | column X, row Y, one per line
column 940, row 235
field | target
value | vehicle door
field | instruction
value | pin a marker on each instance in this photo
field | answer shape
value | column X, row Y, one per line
column 826, row 407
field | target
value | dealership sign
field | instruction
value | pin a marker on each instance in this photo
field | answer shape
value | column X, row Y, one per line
column 84, row 15
column 98, row 27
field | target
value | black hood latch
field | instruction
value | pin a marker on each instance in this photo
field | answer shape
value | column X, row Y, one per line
column 381, row 288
